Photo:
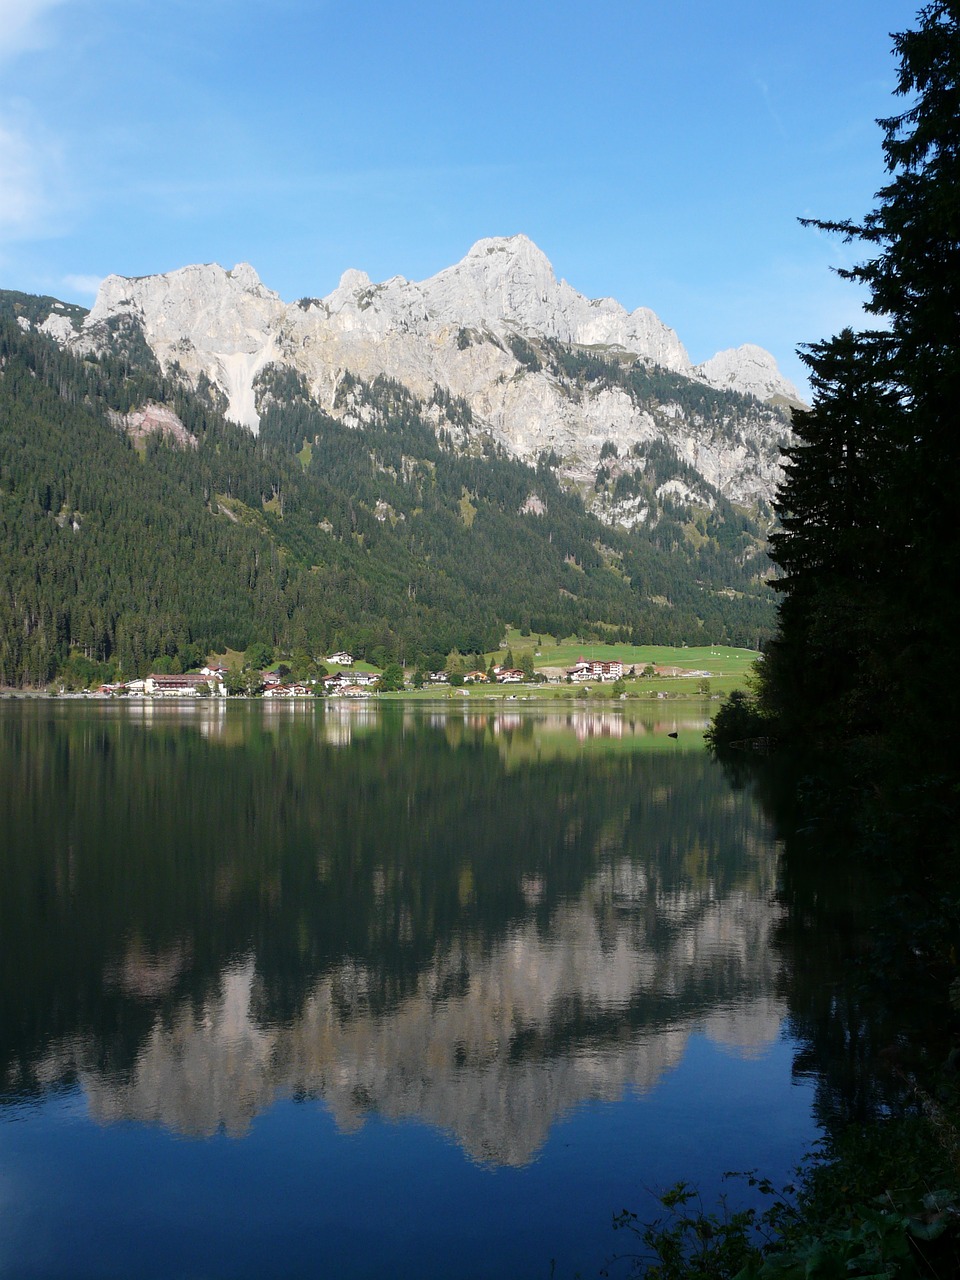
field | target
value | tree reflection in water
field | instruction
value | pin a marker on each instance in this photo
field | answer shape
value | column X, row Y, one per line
column 481, row 920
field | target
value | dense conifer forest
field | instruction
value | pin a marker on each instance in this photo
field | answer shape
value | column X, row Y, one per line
column 394, row 536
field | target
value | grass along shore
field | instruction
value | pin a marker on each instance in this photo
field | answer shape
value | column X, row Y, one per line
column 711, row 671
column 707, row 671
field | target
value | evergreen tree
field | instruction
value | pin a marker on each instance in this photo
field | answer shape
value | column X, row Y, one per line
column 832, row 543
column 392, row 679
column 869, row 546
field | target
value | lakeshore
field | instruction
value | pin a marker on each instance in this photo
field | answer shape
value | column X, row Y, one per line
column 550, row 673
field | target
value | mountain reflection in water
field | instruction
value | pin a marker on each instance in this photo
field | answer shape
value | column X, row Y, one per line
column 477, row 920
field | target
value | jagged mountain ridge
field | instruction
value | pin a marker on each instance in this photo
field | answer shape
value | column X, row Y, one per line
column 138, row 523
column 487, row 331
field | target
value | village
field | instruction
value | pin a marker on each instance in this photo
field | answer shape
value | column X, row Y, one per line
column 218, row 681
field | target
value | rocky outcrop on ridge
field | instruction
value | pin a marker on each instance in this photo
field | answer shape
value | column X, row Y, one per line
column 750, row 370
column 498, row 330
column 153, row 419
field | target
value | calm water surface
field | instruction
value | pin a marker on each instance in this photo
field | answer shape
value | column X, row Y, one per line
column 362, row 991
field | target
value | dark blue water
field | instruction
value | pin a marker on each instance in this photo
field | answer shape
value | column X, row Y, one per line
column 317, row 992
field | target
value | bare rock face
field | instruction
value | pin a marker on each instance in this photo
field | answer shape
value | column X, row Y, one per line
column 152, row 419
column 58, row 327
column 458, row 330
column 502, row 286
column 211, row 321
column 748, row 369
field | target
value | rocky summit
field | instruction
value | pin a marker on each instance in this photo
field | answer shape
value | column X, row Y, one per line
column 399, row 469
column 541, row 368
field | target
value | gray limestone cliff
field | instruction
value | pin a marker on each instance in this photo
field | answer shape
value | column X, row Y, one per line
column 498, row 330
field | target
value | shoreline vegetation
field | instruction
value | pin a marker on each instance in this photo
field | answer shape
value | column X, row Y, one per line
column 869, row 856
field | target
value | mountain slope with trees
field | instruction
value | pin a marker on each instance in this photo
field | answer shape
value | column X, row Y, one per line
column 376, row 530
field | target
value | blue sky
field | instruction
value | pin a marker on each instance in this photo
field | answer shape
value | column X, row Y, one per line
column 659, row 153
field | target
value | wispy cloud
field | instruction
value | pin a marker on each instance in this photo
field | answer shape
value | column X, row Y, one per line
column 31, row 160
column 773, row 113
column 22, row 25
column 83, row 284
column 27, row 166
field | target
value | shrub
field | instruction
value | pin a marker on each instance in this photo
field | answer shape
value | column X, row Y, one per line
column 737, row 720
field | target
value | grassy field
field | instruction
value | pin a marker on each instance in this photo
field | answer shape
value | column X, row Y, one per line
column 722, row 681
column 718, row 659
column 232, row 659
column 656, row 687
column 721, row 661
column 728, row 670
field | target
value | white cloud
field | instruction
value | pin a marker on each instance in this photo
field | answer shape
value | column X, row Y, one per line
column 33, row 189
column 31, row 161
column 83, row 284
column 771, row 109
column 22, row 203
column 22, row 25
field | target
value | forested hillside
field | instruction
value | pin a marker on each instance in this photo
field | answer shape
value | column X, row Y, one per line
column 377, row 531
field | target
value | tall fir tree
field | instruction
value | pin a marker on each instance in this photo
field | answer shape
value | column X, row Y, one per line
column 832, row 544
column 870, row 545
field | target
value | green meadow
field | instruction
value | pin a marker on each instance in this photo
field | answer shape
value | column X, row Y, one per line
column 718, row 659
column 728, row 669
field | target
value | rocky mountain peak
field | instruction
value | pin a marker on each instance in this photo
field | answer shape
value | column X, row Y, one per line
column 353, row 279
column 749, row 369
column 511, row 257
column 246, row 277
column 501, row 283
column 168, row 301
column 456, row 330
column 514, row 247
column 204, row 318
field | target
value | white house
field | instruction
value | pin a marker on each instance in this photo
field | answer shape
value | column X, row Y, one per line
column 289, row 691
column 593, row 669
column 188, row 686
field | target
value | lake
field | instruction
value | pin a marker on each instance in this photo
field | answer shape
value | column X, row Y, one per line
column 369, row 990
